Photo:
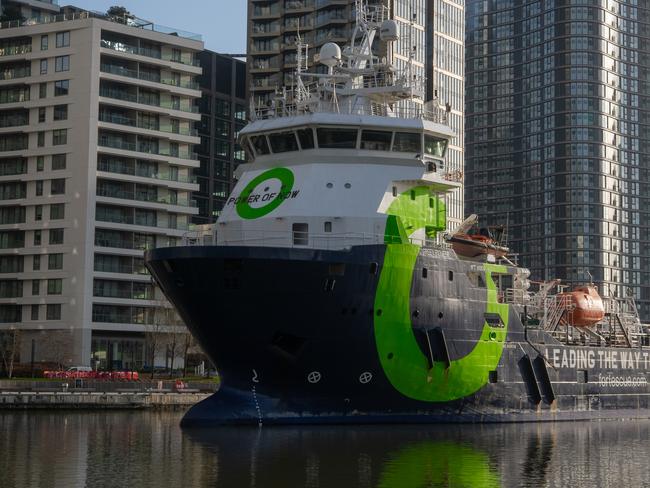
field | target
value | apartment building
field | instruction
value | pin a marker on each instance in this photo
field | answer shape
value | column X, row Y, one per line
column 97, row 141
column 557, row 139
column 432, row 36
column 223, row 108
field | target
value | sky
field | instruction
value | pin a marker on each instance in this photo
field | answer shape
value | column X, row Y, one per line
column 222, row 23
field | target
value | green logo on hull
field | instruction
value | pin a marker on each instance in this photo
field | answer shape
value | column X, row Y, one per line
column 406, row 367
column 243, row 206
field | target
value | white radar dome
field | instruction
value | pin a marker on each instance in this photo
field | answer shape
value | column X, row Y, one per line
column 330, row 54
column 388, row 31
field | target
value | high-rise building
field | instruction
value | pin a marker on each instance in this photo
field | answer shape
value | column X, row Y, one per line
column 223, row 114
column 431, row 36
column 97, row 140
column 557, row 99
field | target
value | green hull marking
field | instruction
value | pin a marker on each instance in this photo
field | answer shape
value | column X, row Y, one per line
column 439, row 464
column 402, row 360
column 245, row 211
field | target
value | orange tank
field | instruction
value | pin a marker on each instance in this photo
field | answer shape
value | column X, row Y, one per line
column 588, row 306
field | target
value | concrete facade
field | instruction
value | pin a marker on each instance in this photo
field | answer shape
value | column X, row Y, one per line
column 96, row 153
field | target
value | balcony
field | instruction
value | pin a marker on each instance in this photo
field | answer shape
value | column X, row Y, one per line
column 122, row 168
column 266, row 12
column 115, row 143
column 14, row 95
column 146, row 76
column 14, row 119
column 142, row 196
column 133, row 98
column 148, row 52
column 15, row 50
column 113, row 118
column 15, row 73
column 297, row 5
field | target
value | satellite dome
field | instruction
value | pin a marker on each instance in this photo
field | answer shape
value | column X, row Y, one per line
column 330, row 54
column 388, row 31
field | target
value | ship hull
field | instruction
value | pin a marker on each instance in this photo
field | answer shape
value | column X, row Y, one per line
column 294, row 335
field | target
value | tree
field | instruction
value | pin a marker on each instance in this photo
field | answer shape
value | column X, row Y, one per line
column 119, row 14
column 154, row 334
column 9, row 349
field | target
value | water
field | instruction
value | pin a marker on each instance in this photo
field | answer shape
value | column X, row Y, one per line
column 148, row 449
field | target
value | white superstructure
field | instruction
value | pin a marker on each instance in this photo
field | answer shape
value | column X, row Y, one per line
column 329, row 155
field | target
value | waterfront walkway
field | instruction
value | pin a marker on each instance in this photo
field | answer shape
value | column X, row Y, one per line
column 101, row 394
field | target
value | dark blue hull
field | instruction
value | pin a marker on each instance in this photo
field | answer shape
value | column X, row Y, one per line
column 292, row 334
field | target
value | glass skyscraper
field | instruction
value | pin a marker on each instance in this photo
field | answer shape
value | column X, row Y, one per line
column 557, row 99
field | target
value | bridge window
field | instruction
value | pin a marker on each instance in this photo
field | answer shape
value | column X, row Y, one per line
column 260, row 145
column 283, row 142
column 376, row 140
column 306, row 138
column 407, row 142
column 337, row 138
column 434, row 146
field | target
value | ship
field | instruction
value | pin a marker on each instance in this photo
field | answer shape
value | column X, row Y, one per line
column 333, row 291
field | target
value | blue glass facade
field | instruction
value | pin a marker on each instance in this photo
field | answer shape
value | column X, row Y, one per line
column 556, row 136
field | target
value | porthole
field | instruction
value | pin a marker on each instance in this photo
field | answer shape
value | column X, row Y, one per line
column 379, row 312
column 348, row 185
column 390, row 355
column 330, row 185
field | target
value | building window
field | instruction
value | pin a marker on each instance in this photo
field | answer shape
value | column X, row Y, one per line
column 63, row 39
column 62, row 63
column 38, row 212
column 61, row 88
column 56, row 236
column 58, row 161
column 36, row 287
column 39, row 188
column 57, row 186
column 55, row 261
column 44, row 42
column 40, row 163
column 176, row 55
column 42, row 90
column 40, row 142
column 54, row 286
column 41, row 115
column 34, row 312
column 60, row 112
column 59, row 137
column 43, row 66
column 36, row 263
column 57, row 211
column 53, row 311
column 37, row 237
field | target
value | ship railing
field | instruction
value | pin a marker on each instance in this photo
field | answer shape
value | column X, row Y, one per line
column 415, row 111
column 328, row 241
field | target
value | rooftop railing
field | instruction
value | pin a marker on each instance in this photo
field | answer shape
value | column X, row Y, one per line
column 127, row 20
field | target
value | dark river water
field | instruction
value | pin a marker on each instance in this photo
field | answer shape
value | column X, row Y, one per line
column 149, row 449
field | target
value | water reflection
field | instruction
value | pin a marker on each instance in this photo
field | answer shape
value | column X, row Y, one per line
column 148, row 449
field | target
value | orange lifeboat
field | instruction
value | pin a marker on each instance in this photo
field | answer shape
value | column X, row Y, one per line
column 588, row 306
